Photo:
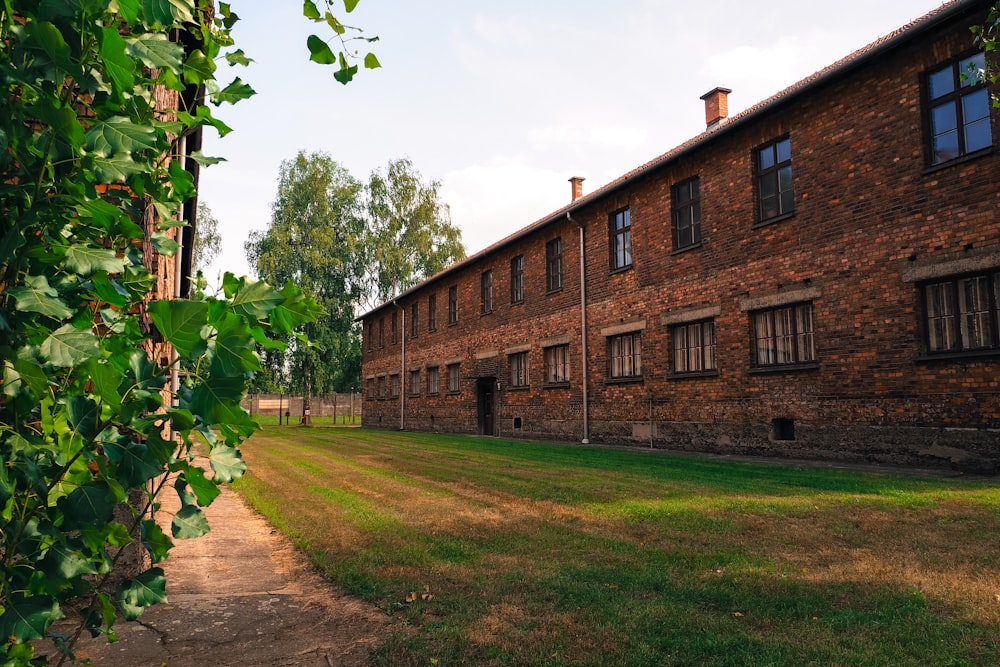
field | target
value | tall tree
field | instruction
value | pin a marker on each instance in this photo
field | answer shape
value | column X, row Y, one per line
column 313, row 240
column 410, row 236
column 207, row 241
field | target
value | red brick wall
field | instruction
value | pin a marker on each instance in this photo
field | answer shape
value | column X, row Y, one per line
column 867, row 213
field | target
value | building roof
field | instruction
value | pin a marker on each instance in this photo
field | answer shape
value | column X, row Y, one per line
column 825, row 76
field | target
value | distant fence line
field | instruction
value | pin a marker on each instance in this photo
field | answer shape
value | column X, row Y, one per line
column 343, row 407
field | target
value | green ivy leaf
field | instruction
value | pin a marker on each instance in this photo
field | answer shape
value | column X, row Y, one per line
column 136, row 463
column 106, row 380
column 119, row 66
column 233, row 93
column 198, row 68
column 349, row 5
column 320, row 51
column 37, row 296
column 103, row 213
column 155, row 50
column 226, row 463
column 234, row 352
column 310, row 10
column 189, row 522
column 83, row 415
column 205, row 490
column 155, row 540
column 87, row 259
column 256, row 300
column 66, row 563
column 237, row 57
column 88, row 505
column 371, row 62
column 164, row 244
column 117, row 169
column 25, row 372
column 147, row 589
column 119, row 135
column 51, row 41
column 204, row 160
column 29, row 618
column 68, row 346
column 180, row 321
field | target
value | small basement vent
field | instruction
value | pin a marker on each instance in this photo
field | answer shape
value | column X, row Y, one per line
column 517, row 422
column 783, row 429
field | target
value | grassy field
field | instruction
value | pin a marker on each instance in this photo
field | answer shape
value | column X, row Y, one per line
column 494, row 552
column 340, row 420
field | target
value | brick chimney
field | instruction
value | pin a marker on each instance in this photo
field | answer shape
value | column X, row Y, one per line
column 577, row 184
column 716, row 106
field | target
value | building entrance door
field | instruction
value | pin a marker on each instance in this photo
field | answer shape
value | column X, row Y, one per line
column 487, row 392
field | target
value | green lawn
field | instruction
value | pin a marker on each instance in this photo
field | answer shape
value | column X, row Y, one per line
column 496, row 552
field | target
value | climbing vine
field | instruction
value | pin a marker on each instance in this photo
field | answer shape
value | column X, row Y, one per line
column 108, row 387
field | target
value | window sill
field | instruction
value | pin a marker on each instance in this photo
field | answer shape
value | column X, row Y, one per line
column 632, row 379
column 968, row 355
column 485, row 313
column 519, row 302
column 556, row 385
column 961, row 159
column 452, row 324
column 694, row 375
column 518, row 387
column 553, row 291
column 693, row 246
column 782, row 368
column 432, row 393
column 775, row 219
column 454, row 393
column 621, row 269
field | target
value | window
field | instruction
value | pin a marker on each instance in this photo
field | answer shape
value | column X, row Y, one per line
column 371, row 388
column 620, row 230
column 959, row 112
column 371, row 335
column 961, row 314
column 486, row 293
column 453, row 304
column 517, row 279
column 433, row 380
column 518, row 369
column 432, row 312
column 557, row 364
column 784, row 336
column 454, row 378
column 414, row 319
column 687, row 214
column 381, row 386
column 381, row 332
column 394, row 385
column 774, row 179
column 394, row 328
column 694, row 347
column 415, row 383
column 625, row 354
column 553, row 265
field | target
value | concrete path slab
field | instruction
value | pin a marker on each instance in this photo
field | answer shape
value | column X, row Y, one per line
column 241, row 595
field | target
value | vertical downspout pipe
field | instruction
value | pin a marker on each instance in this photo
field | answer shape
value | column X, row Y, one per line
column 175, row 376
column 583, row 330
column 402, row 368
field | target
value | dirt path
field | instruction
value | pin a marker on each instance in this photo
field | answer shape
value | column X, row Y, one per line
column 242, row 595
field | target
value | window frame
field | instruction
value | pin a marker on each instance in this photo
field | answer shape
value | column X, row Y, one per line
column 773, row 171
column 553, row 265
column 381, row 332
column 556, row 363
column 432, row 319
column 395, row 385
column 415, row 381
column 689, row 204
column 486, row 292
column 517, row 280
column 433, row 380
column 454, row 378
column 394, row 328
column 959, row 320
column 705, row 349
column 955, row 98
column 519, row 365
column 798, row 344
column 453, row 305
column 620, row 255
column 414, row 319
column 625, row 357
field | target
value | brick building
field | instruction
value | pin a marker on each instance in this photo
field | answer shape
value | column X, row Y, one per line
column 816, row 276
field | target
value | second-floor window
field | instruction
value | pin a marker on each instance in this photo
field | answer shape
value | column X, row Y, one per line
column 517, row 279
column 518, row 369
column 962, row 314
column 553, row 265
column 453, row 304
column 774, row 179
column 686, row 200
column 394, row 327
column 381, row 332
column 784, row 336
column 486, row 293
column 620, row 232
column 432, row 312
column 414, row 319
column 625, row 355
column 959, row 112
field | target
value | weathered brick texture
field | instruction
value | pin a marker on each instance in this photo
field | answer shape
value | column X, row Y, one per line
column 869, row 216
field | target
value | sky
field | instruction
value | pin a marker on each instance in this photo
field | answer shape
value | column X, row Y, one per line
column 502, row 102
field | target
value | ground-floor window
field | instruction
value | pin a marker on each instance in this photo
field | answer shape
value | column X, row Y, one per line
column 381, row 386
column 433, row 380
column 518, row 369
column 784, row 336
column 694, row 347
column 415, row 383
column 394, row 383
column 371, row 388
column 557, row 364
column 961, row 314
column 454, row 378
column 625, row 354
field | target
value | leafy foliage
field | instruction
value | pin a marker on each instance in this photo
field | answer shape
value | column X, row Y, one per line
column 987, row 37
column 107, row 387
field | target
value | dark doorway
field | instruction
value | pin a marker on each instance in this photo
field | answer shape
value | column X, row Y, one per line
column 486, row 391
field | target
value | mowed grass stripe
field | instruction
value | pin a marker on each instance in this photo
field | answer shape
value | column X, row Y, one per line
column 551, row 554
